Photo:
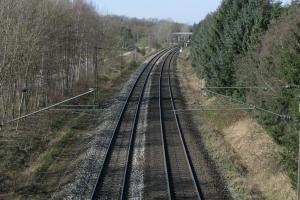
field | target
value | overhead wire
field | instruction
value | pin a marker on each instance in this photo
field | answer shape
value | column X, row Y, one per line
column 211, row 109
column 253, row 87
column 253, row 106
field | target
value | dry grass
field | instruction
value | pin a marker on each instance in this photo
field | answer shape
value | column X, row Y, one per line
column 246, row 155
column 42, row 156
column 259, row 155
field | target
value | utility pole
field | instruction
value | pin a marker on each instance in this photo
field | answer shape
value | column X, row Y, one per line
column 122, row 59
column 96, row 72
column 298, row 185
column 23, row 91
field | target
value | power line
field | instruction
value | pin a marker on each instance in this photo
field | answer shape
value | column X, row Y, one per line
column 212, row 109
column 236, row 87
column 291, row 86
column 91, row 90
column 253, row 106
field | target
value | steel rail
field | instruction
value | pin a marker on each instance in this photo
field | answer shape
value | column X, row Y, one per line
column 132, row 137
column 163, row 136
column 182, row 139
column 120, row 119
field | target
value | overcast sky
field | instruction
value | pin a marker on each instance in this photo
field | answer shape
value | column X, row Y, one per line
column 185, row 11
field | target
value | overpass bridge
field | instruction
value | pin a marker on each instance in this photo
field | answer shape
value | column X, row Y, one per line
column 181, row 37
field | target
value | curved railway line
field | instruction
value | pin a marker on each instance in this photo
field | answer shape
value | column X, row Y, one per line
column 182, row 179
column 113, row 174
column 170, row 174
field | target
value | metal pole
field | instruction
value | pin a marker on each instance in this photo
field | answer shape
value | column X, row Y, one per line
column 20, row 110
column 122, row 61
column 298, row 185
column 96, row 71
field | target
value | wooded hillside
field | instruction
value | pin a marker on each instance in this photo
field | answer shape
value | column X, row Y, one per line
column 255, row 43
column 48, row 47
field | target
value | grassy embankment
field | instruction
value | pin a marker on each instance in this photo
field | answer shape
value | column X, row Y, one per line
column 39, row 158
column 246, row 155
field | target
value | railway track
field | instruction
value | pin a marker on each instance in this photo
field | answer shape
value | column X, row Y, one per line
column 155, row 164
column 113, row 176
column 182, row 179
column 170, row 174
